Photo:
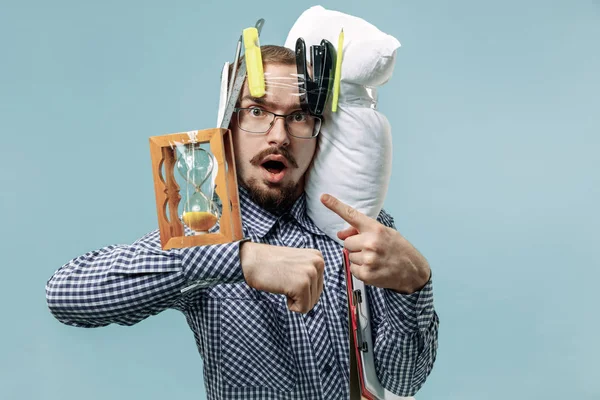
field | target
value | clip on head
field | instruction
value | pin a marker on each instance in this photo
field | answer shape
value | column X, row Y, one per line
column 316, row 89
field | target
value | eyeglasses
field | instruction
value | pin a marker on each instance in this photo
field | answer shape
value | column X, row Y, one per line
column 299, row 124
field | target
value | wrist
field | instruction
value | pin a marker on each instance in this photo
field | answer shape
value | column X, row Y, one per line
column 415, row 281
column 247, row 258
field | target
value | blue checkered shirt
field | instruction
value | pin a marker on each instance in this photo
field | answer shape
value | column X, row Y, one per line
column 253, row 347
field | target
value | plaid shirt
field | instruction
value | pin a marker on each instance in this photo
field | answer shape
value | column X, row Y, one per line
column 253, row 347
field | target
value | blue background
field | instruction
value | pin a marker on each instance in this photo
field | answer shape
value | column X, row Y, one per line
column 495, row 113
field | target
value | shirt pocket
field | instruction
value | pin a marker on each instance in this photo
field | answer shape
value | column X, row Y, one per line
column 255, row 346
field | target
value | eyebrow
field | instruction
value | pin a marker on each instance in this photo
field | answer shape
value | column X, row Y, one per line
column 263, row 102
column 257, row 100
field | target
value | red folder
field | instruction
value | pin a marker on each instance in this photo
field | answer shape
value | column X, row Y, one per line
column 354, row 319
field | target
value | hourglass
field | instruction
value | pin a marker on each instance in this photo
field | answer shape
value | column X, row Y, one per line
column 209, row 176
column 198, row 168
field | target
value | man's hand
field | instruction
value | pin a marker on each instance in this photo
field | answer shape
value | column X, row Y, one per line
column 379, row 256
column 296, row 273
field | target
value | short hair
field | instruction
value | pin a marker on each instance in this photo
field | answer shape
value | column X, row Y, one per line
column 271, row 54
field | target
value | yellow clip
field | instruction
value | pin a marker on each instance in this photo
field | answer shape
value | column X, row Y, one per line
column 254, row 65
column 338, row 72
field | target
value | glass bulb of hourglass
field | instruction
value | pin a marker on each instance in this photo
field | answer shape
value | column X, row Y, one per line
column 199, row 213
column 194, row 164
column 197, row 167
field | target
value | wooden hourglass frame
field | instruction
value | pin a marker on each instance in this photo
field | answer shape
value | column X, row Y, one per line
column 167, row 191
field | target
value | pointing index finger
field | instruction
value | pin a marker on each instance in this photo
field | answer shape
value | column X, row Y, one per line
column 349, row 214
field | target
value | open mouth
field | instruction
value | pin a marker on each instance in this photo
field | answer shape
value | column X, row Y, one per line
column 273, row 166
column 274, row 170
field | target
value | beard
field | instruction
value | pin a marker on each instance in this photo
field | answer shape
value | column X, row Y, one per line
column 275, row 199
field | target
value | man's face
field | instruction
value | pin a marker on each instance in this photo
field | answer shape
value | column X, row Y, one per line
column 272, row 165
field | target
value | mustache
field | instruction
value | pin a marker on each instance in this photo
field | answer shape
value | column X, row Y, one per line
column 285, row 153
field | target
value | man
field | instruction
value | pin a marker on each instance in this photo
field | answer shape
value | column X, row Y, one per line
column 270, row 314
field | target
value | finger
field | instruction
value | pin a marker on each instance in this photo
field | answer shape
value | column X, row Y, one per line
column 300, row 301
column 355, row 243
column 349, row 214
column 360, row 272
column 317, row 279
column 298, row 306
column 319, row 288
column 356, row 257
column 306, row 299
column 314, row 291
column 291, row 304
column 346, row 233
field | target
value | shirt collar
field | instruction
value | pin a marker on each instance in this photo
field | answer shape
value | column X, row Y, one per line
column 262, row 221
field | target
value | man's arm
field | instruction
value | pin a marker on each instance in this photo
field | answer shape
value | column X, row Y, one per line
column 405, row 326
column 128, row 283
column 405, row 332
column 125, row 284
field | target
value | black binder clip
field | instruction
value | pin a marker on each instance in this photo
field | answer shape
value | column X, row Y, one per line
column 315, row 89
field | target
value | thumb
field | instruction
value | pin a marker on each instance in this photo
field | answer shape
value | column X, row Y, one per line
column 346, row 233
column 291, row 304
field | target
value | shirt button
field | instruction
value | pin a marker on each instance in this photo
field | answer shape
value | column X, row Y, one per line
column 327, row 369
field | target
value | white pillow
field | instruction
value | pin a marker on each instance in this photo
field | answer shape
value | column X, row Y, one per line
column 369, row 54
column 354, row 158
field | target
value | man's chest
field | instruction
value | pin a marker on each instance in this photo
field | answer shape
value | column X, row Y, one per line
column 250, row 339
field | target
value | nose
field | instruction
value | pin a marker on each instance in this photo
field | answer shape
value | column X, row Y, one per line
column 277, row 134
